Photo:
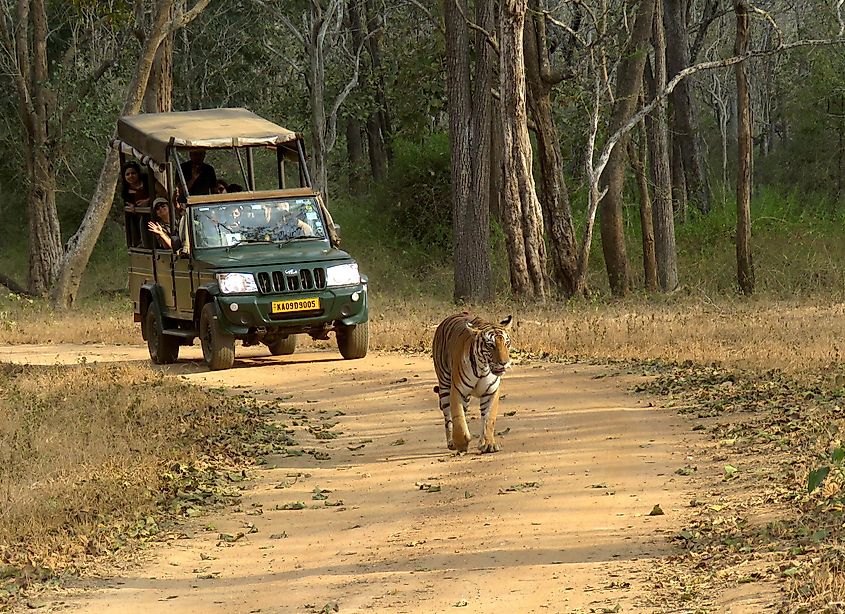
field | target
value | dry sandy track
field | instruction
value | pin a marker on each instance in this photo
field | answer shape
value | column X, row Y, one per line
column 587, row 461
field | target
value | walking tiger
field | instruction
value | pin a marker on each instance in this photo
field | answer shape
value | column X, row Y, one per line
column 470, row 356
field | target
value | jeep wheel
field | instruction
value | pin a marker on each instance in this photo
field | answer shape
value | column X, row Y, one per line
column 282, row 347
column 353, row 341
column 218, row 346
column 164, row 349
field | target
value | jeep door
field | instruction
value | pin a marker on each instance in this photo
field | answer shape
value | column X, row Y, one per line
column 164, row 274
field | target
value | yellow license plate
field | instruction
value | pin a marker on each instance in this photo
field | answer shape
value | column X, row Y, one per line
column 300, row 304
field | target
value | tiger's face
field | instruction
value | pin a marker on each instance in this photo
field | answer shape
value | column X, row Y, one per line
column 494, row 344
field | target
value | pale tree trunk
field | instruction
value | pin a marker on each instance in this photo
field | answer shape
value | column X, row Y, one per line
column 80, row 246
column 638, row 156
column 523, row 215
column 744, row 263
column 657, row 128
column 554, row 197
column 320, row 35
column 628, row 85
column 684, row 124
column 317, row 25
column 158, row 97
column 382, row 115
column 721, row 102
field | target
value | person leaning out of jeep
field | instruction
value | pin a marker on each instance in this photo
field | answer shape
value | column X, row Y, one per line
column 159, row 225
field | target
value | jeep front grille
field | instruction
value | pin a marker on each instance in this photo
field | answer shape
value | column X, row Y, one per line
column 303, row 280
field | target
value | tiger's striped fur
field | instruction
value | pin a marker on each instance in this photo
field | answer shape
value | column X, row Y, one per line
column 470, row 356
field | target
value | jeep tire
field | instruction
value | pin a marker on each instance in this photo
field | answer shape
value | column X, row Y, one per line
column 218, row 346
column 282, row 347
column 164, row 349
column 353, row 341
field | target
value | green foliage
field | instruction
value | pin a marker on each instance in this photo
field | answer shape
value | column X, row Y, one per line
column 835, row 467
column 417, row 195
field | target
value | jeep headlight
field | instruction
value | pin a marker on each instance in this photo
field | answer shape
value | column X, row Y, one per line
column 234, row 283
column 343, row 275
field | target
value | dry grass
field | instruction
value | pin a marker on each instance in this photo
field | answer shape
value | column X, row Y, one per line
column 757, row 334
column 796, row 335
column 89, row 452
column 101, row 319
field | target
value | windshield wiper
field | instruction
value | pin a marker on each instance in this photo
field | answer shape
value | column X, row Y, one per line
column 218, row 223
column 292, row 239
column 249, row 240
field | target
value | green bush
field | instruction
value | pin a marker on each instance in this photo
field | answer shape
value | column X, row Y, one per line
column 416, row 194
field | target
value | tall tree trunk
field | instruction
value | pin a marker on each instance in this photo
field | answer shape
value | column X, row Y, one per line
column 685, row 129
column 81, row 244
column 158, row 97
column 744, row 263
column 355, row 155
column 554, row 197
column 523, row 215
column 316, row 85
column 375, row 28
column 657, row 128
column 358, row 10
column 460, row 110
column 497, row 146
column 472, row 277
column 375, row 147
column 45, row 240
column 45, row 245
column 638, row 155
column 628, row 84
column 679, row 181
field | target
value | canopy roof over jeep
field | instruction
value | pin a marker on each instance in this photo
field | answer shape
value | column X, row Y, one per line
column 151, row 133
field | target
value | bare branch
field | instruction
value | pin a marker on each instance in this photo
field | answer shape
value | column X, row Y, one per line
column 14, row 286
column 437, row 23
column 771, row 21
column 578, row 38
column 474, row 26
column 86, row 89
column 187, row 17
column 691, row 70
column 331, row 135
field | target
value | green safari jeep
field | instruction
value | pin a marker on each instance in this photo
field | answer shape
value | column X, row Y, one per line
column 238, row 262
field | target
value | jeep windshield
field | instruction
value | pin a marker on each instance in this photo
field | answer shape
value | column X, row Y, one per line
column 278, row 220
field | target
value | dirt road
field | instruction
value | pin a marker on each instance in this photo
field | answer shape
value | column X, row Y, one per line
column 393, row 522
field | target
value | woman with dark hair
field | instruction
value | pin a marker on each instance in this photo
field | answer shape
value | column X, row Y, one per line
column 159, row 225
column 134, row 190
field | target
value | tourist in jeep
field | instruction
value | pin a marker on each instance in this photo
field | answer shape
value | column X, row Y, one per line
column 134, row 190
column 199, row 176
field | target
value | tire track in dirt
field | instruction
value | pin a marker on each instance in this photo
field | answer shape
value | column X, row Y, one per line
column 556, row 522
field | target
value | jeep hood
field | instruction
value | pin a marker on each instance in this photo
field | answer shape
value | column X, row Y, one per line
column 266, row 254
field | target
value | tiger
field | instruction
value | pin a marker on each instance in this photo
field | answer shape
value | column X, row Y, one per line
column 470, row 356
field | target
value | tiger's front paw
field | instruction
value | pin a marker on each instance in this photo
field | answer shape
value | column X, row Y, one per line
column 450, row 444
column 461, row 442
column 489, row 447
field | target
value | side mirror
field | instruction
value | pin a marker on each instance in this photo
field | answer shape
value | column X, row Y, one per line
column 336, row 228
